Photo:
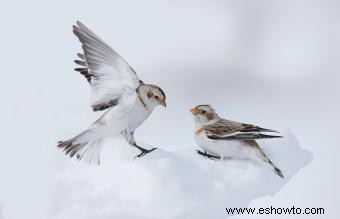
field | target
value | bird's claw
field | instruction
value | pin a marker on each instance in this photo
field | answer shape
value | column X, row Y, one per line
column 144, row 152
column 210, row 156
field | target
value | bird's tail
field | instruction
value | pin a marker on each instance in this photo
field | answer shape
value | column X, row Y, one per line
column 276, row 170
column 83, row 146
column 265, row 159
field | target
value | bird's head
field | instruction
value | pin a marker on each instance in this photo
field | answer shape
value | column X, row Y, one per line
column 204, row 114
column 152, row 95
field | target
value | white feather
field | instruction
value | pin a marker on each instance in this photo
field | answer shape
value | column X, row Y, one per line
column 112, row 74
column 230, row 148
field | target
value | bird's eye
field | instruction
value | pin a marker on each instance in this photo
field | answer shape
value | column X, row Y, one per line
column 203, row 111
column 156, row 97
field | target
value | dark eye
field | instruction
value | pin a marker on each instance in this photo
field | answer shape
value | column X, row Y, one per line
column 203, row 111
column 156, row 97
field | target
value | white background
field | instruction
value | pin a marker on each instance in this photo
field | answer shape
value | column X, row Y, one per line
column 274, row 63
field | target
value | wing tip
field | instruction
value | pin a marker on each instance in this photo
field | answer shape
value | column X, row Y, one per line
column 270, row 130
column 80, row 24
column 262, row 136
column 276, row 136
column 74, row 28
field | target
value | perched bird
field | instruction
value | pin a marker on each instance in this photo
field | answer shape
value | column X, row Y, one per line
column 219, row 137
column 116, row 88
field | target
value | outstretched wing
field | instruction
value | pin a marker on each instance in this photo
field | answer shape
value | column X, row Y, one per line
column 109, row 75
column 230, row 130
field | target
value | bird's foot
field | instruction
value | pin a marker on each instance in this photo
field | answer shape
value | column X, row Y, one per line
column 144, row 152
column 210, row 156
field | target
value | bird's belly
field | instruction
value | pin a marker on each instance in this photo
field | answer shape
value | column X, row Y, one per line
column 126, row 117
column 230, row 148
column 137, row 116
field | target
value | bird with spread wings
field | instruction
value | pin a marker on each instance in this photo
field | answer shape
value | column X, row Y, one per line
column 115, row 89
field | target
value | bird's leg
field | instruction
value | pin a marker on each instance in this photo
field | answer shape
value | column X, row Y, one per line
column 210, row 156
column 143, row 151
column 129, row 136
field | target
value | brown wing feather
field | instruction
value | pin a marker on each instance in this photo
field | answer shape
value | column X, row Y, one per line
column 82, row 69
column 230, row 130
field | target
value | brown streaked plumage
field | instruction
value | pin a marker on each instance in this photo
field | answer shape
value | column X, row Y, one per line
column 212, row 130
column 229, row 130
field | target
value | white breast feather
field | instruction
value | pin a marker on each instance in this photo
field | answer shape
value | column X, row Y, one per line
column 225, row 148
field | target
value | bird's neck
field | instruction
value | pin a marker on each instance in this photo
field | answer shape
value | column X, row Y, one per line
column 200, row 124
column 142, row 95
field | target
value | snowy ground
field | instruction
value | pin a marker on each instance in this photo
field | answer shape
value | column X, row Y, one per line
column 176, row 184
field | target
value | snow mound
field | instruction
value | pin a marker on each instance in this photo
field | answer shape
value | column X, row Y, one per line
column 178, row 184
